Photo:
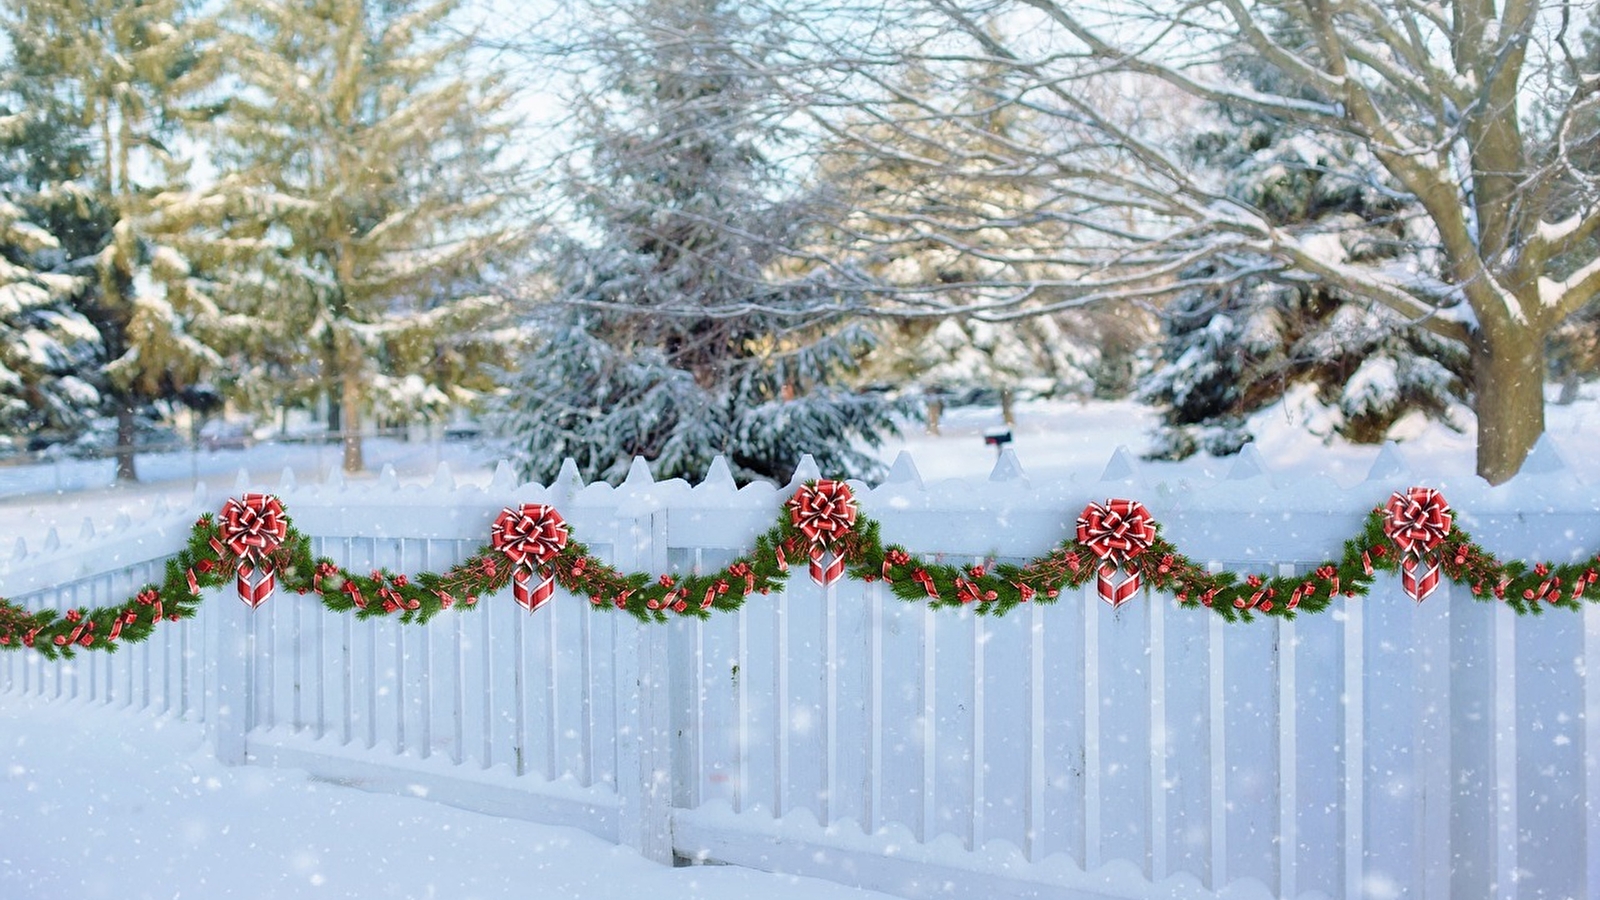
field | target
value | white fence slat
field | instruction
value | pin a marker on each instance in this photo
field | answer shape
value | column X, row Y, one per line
column 901, row 722
column 1065, row 807
column 1591, row 748
column 1004, row 648
column 1550, row 811
column 1316, row 694
column 1472, row 770
column 1389, row 776
column 1250, row 757
column 805, row 667
column 1353, row 803
column 1507, row 835
column 1037, row 777
column 1288, row 839
column 759, row 669
column 949, row 724
column 852, row 728
column 1187, row 785
column 1093, row 733
column 1217, row 758
column 1433, row 758
column 1125, row 740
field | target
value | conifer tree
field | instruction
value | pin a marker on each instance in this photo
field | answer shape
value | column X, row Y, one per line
column 44, row 341
column 98, row 89
column 359, row 199
column 678, row 333
column 1249, row 334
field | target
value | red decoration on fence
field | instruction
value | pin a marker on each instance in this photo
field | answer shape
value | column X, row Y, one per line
column 1417, row 521
column 1116, row 533
column 530, row 536
column 825, row 512
column 252, row 527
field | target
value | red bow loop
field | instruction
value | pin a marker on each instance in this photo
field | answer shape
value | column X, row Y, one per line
column 1118, row 531
column 824, row 512
column 253, row 526
column 1418, row 521
column 531, row 532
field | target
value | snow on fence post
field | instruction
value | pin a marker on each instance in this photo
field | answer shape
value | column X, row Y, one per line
column 230, row 645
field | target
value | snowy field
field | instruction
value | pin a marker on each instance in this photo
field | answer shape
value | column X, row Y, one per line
column 95, row 803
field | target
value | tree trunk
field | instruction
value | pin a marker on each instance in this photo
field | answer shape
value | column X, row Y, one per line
column 124, row 450
column 351, row 421
column 1508, row 375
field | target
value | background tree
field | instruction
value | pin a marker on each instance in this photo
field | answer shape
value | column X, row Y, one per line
column 678, row 331
column 359, row 203
column 1430, row 97
column 1247, row 336
column 933, row 206
column 44, row 341
column 98, row 88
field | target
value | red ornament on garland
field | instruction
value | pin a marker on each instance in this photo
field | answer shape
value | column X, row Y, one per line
column 530, row 536
column 253, row 527
column 1116, row 533
column 825, row 512
column 1417, row 521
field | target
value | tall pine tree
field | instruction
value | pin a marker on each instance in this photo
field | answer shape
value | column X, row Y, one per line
column 674, row 335
column 44, row 341
column 359, row 199
column 99, row 89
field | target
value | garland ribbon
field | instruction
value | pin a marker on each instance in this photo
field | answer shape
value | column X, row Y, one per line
column 825, row 512
column 530, row 536
column 1117, row 533
column 1418, row 521
column 253, row 527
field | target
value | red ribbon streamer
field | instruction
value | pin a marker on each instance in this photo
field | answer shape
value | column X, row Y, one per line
column 828, row 573
column 1418, row 521
column 530, row 536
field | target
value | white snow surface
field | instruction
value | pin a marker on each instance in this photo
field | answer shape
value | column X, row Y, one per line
column 96, row 802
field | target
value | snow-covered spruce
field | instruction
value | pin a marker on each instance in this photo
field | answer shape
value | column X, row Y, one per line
column 676, row 331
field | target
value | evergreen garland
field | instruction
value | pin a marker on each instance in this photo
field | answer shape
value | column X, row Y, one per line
column 254, row 543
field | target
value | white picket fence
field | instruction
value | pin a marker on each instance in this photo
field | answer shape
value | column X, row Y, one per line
column 1447, row 749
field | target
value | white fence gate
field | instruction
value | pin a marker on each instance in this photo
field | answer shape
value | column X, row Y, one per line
column 1385, row 749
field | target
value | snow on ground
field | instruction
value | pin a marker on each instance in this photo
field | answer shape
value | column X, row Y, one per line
column 98, row 803
column 102, row 803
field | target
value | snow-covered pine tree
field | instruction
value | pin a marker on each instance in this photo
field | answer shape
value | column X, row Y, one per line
column 44, row 341
column 1253, row 334
column 675, row 334
column 97, row 90
column 360, row 197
